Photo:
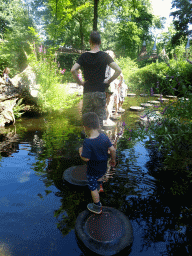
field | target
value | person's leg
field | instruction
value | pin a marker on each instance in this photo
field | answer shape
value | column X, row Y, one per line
column 99, row 103
column 96, row 206
column 95, row 196
column 87, row 103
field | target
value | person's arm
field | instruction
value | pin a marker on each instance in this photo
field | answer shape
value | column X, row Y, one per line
column 74, row 72
column 113, row 156
column 83, row 158
column 117, row 69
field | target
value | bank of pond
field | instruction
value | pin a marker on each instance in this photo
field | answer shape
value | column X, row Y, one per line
column 39, row 209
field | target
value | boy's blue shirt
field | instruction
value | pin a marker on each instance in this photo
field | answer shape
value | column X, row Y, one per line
column 97, row 151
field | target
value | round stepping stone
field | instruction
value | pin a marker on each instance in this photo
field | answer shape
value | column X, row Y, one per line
column 154, row 102
column 163, row 100
column 144, row 95
column 121, row 110
column 76, row 175
column 136, row 108
column 131, row 94
column 107, row 233
column 146, row 105
column 171, row 96
column 115, row 117
column 108, row 123
column 157, row 95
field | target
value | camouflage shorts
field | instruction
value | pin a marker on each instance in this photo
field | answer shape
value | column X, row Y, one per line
column 95, row 102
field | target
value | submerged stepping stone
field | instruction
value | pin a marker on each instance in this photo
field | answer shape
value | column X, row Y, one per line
column 157, row 95
column 144, row 95
column 163, row 99
column 154, row 102
column 76, row 175
column 136, row 108
column 146, row 105
column 131, row 94
column 108, row 233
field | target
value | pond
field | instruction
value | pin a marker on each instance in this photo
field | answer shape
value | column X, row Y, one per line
column 39, row 210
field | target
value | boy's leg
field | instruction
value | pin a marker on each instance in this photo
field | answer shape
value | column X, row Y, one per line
column 95, row 196
column 95, row 207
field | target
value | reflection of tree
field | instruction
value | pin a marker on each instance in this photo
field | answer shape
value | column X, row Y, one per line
column 163, row 216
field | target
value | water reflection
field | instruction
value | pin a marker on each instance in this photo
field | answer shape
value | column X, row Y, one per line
column 44, row 208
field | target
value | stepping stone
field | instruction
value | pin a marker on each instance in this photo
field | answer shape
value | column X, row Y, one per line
column 163, row 100
column 144, row 95
column 108, row 123
column 171, row 96
column 131, row 94
column 183, row 98
column 158, row 95
column 108, row 233
column 146, row 105
column 154, row 102
column 121, row 110
column 76, row 175
column 136, row 108
column 115, row 117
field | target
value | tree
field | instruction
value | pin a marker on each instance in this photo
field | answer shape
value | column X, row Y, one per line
column 95, row 15
column 182, row 19
column 16, row 35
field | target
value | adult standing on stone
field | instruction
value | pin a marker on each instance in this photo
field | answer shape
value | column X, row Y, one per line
column 94, row 65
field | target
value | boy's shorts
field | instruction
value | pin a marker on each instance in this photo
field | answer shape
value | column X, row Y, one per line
column 92, row 181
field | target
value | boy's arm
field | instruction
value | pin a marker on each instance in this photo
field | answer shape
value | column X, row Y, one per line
column 112, row 151
column 83, row 158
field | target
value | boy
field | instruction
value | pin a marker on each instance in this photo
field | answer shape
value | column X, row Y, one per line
column 95, row 153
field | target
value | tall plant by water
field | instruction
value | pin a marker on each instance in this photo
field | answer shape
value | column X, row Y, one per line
column 53, row 94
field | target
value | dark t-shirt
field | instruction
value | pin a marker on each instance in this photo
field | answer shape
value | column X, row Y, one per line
column 94, row 67
column 97, row 151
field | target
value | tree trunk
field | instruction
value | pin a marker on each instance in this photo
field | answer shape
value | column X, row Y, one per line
column 95, row 15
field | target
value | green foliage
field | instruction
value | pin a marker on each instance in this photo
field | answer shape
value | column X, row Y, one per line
column 128, row 67
column 18, row 109
column 66, row 60
column 173, row 77
column 182, row 19
column 53, row 95
column 15, row 34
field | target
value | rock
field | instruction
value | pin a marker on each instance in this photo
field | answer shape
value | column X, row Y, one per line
column 136, row 108
column 6, row 112
column 27, row 87
column 144, row 95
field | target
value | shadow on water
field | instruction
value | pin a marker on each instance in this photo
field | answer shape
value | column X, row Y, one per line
column 39, row 209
